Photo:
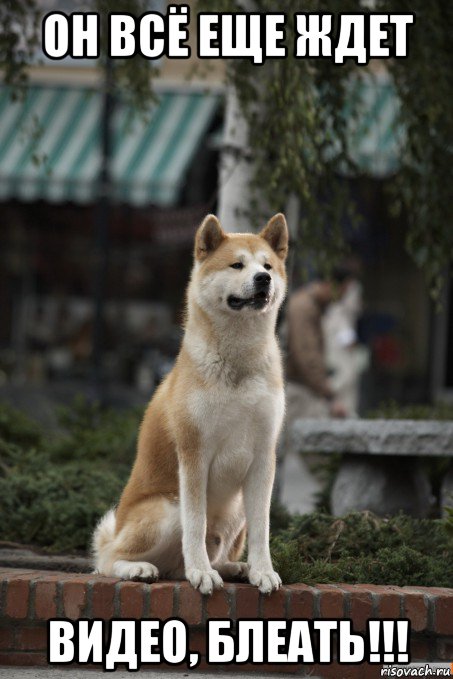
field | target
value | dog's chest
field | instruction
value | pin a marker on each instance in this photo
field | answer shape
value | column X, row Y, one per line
column 227, row 413
column 234, row 423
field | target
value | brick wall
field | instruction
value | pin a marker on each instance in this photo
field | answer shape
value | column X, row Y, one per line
column 29, row 598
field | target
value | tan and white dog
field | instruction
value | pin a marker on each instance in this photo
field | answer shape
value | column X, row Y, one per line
column 206, row 451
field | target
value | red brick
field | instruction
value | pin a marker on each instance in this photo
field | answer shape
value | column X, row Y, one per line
column 31, row 639
column 331, row 604
column 433, row 591
column 131, row 600
column 197, row 642
column 55, row 576
column 17, row 596
column 74, row 599
column 444, row 614
column 288, row 669
column 388, row 599
column 419, row 649
column 302, row 600
column 248, row 669
column 415, row 608
column 263, row 669
column 23, row 659
column 361, row 609
column 389, row 605
column 445, row 649
column 45, row 600
column 161, row 605
column 189, row 604
column 247, row 601
column 218, row 605
column 273, row 605
column 7, row 572
column 371, row 671
column 103, row 596
column 335, row 671
column 6, row 637
column 204, row 667
column 361, row 605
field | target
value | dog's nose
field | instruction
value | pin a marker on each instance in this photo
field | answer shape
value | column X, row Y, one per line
column 262, row 279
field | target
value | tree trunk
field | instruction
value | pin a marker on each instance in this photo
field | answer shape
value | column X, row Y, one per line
column 236, row 169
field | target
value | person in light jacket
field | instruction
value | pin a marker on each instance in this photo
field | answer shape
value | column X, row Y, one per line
column 309, row 390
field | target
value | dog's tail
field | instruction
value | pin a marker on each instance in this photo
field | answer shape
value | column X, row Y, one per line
column 102, row 542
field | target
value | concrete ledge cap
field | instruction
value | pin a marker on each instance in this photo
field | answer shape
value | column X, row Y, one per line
column 375, row 437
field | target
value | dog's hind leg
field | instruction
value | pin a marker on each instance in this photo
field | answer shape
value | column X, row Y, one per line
column 135, row 570
column 148, row 541
column 232, row 568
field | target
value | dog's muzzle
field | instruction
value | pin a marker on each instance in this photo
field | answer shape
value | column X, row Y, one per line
column 260, row 298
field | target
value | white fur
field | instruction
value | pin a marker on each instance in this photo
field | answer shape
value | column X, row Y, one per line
column 239, row 415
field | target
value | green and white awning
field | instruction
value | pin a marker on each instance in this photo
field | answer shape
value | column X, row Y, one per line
column 50, row 141
column 50, row 145
column 375, row 136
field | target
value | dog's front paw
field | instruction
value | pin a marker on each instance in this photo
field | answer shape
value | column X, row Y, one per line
column 204, row 580
column 267, row 581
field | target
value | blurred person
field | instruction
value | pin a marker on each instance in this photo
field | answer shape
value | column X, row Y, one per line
column 309, row 391
column 346, row 359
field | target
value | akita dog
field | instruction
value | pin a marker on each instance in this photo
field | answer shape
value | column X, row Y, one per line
column 205, row 462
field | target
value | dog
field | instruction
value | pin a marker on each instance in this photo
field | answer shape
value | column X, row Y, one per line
column 205, row 463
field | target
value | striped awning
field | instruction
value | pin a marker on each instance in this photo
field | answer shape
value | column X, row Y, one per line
column 50, row 145
column 375, row 136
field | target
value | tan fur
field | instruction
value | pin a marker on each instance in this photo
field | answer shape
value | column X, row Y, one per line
column 206, row 449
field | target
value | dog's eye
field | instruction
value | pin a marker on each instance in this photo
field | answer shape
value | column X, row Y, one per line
column 268, row 267
column 237, row 265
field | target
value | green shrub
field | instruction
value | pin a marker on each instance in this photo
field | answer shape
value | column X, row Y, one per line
column 16, row 427
column 361, row 547
column 93, row 433
column 391, row 410
column 53, row 490
column 54, row 506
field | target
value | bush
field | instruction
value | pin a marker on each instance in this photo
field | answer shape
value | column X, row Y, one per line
column 18, row 428
column 361, row 547
column 92, row 433
column 54, row 489
column 391, row 410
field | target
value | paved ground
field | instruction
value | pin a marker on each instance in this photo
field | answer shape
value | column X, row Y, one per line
column 57, row 673
column 54, row 673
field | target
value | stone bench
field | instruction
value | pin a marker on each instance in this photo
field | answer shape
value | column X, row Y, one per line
column 380, row 469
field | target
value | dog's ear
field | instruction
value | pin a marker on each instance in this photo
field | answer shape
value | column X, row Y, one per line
column 209, row 236
column 276, row 234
